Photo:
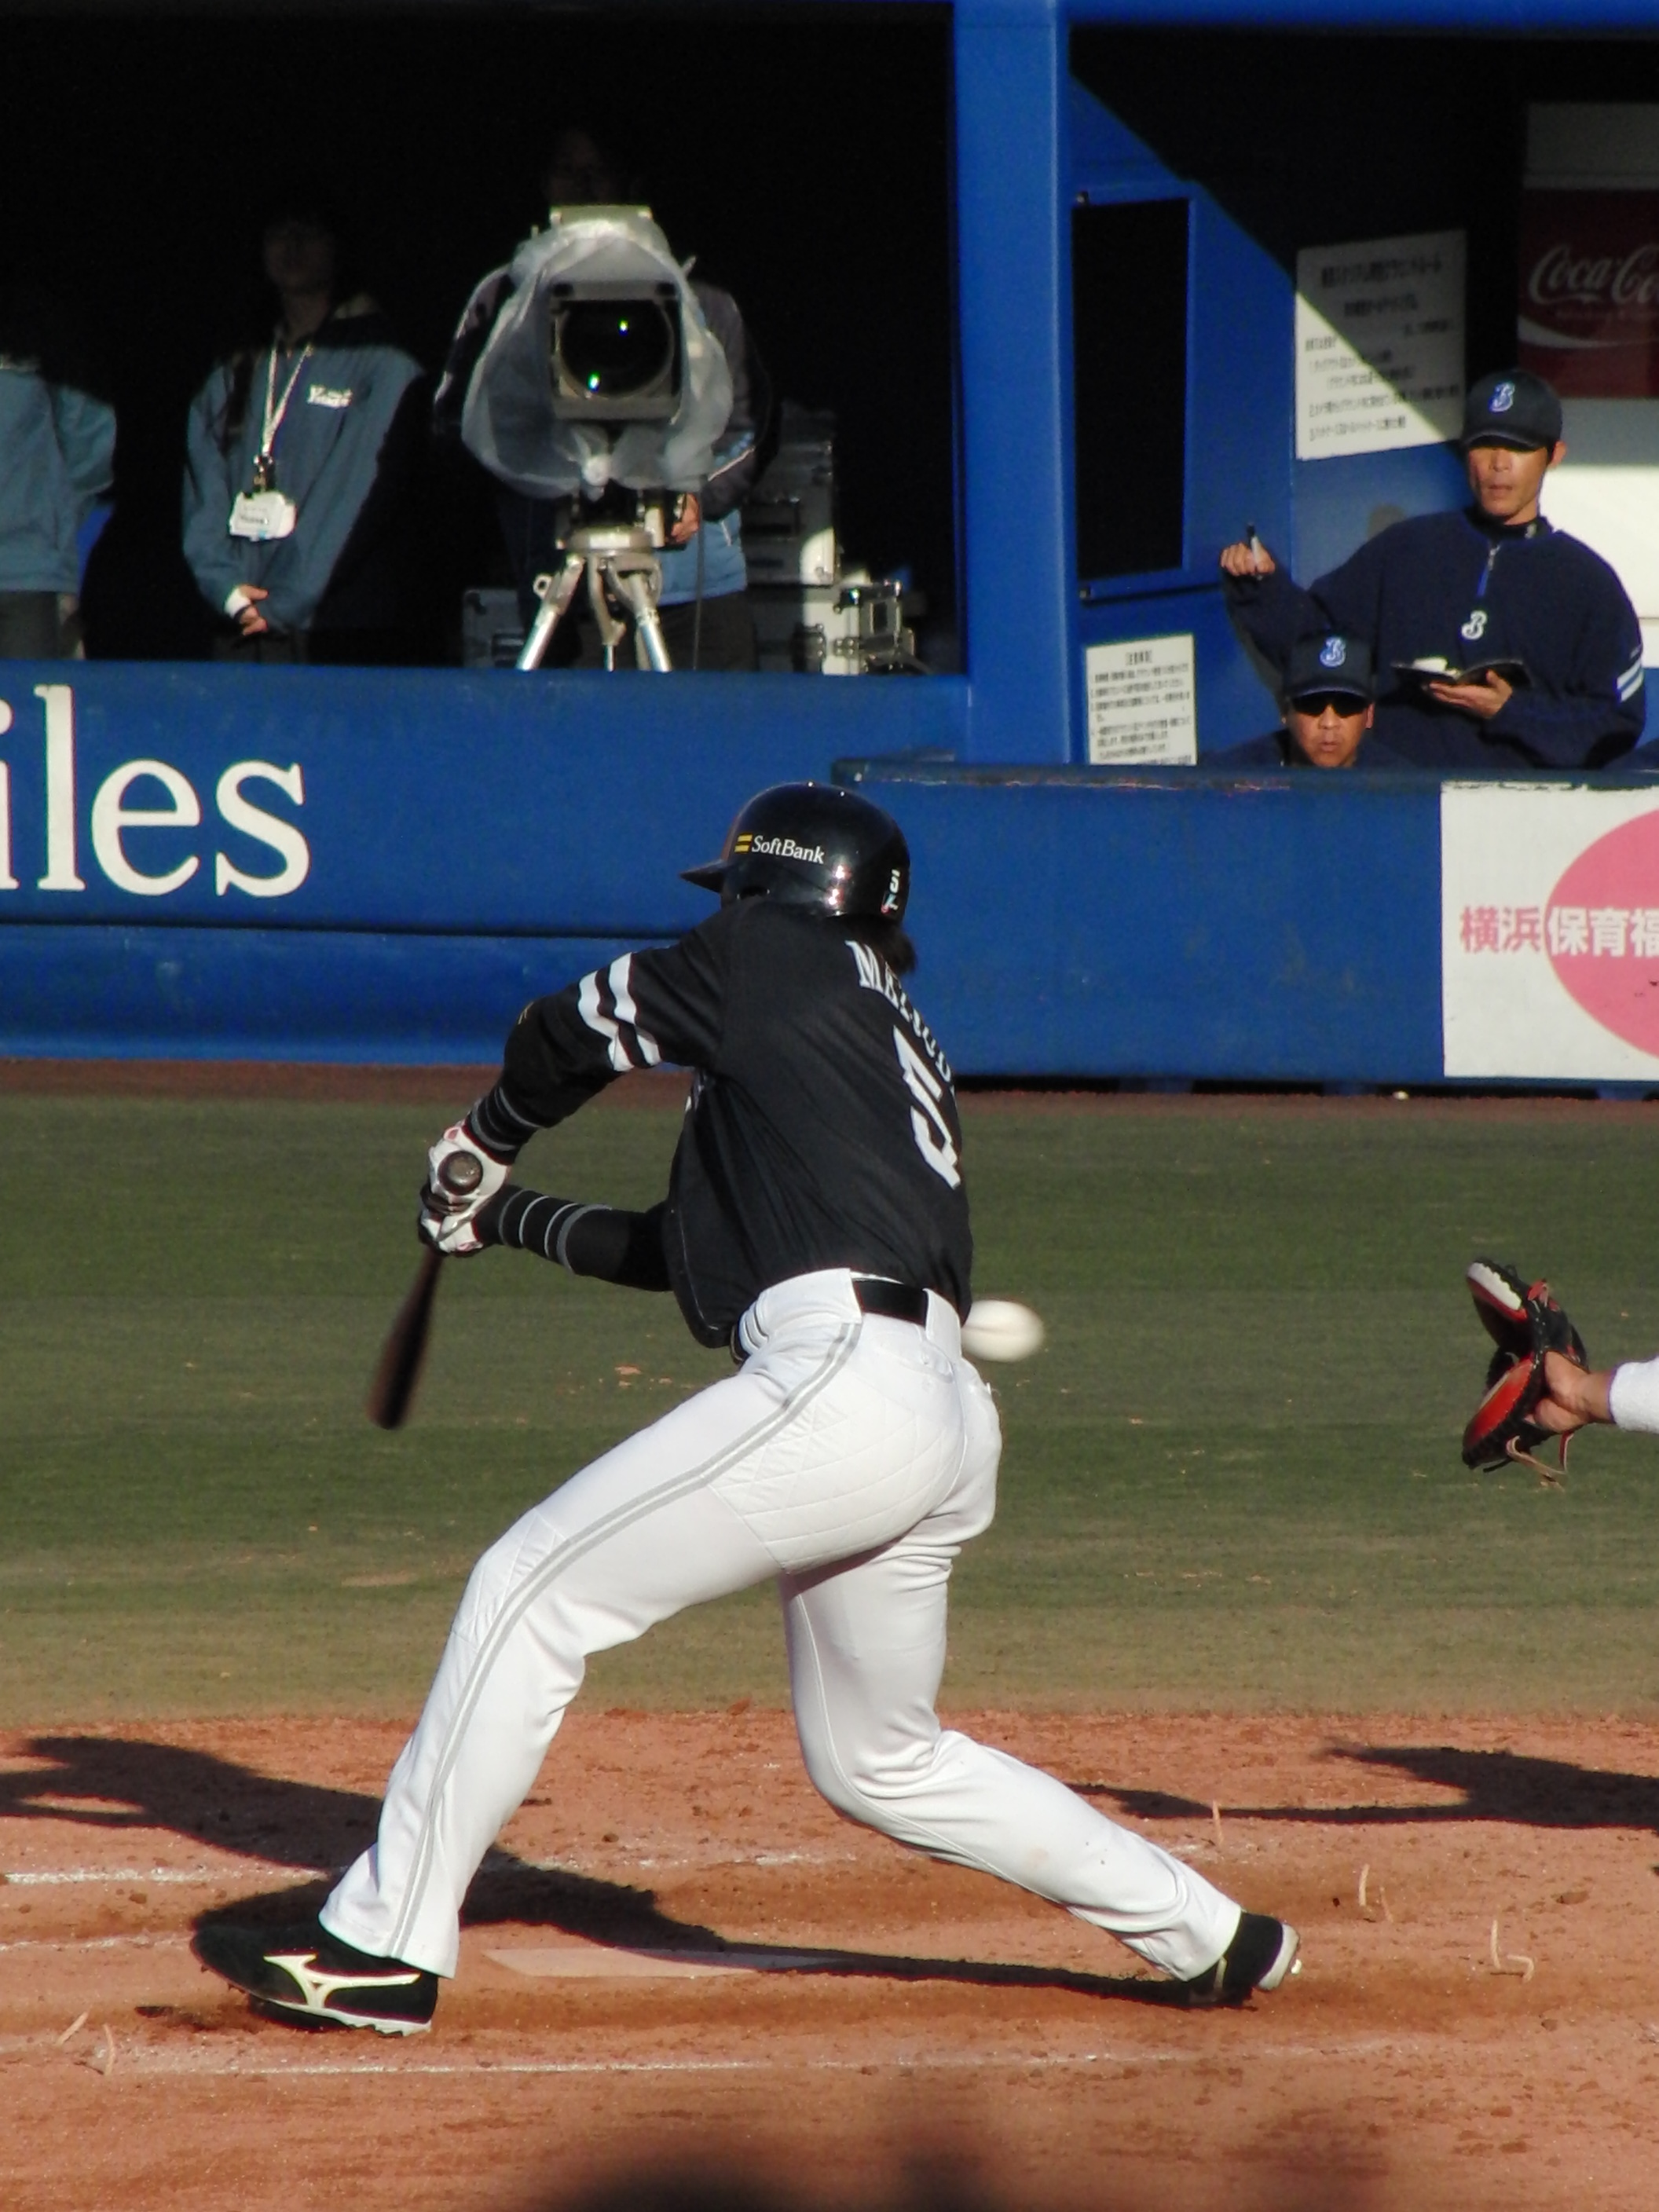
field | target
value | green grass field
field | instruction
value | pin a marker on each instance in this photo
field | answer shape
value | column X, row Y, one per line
column 1232, row 1479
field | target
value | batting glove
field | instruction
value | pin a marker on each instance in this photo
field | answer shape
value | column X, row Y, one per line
column 449, row 1217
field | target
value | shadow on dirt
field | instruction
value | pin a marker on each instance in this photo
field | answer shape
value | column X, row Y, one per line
column 1329, row 2175
column 114, row 1783
column 1507, row 1786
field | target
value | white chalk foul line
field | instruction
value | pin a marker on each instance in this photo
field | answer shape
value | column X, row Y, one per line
column 97, row 1943
column 495, row 1863
column 183, row 1877
column 137, row 2058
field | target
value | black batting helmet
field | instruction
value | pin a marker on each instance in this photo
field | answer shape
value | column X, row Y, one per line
column 813, row 845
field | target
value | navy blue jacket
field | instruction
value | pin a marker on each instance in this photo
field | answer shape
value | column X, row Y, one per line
column 1463, row 587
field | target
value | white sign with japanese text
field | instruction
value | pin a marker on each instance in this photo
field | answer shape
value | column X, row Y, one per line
column 1143, row 702
column 1379, row 344
column 1549, row 932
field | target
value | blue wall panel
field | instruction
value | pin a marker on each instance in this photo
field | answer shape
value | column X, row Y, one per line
column 435, row 800
column 1341, row 503
column 1133, row 925
column 1089, row 925
column 100, row 991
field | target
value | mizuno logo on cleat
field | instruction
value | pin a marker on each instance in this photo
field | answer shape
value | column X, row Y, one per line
column 318, row 1989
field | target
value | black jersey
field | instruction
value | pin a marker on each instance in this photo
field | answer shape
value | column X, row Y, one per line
column 822, row 1130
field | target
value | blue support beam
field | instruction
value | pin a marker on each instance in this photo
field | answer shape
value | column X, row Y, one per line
column 1011, row 211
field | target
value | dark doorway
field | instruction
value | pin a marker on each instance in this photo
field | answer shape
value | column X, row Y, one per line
column 1129, row 385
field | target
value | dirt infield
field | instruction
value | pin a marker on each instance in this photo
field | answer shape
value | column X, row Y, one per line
column 680, row 1955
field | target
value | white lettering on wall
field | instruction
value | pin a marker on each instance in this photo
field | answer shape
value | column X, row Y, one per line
column 58, row 700
column 253, row 822
column 8, row 881
column 111, row 816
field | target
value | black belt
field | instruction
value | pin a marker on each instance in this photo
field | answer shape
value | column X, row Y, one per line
column 893, row 1300
column 876, row 1294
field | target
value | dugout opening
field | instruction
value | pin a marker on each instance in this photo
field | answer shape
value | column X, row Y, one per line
column 801, row 154
column 1425, row 209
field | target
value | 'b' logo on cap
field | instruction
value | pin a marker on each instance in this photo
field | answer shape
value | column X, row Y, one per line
column 1333, row 652
column 1503, row 399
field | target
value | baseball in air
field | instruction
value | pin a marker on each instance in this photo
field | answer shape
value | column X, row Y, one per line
column 1001, row 1329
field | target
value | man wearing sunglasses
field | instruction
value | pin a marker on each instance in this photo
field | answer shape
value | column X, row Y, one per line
column 1501, row 642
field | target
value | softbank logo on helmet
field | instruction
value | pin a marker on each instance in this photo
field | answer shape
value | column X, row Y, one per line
column 1503, row 399
column 1333, row 652
column 780, row 848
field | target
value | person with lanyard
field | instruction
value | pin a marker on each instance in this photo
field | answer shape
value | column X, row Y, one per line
column 298, row 458
column 1501, row 642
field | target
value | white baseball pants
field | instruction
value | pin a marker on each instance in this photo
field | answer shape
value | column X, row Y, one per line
column 851, row 1457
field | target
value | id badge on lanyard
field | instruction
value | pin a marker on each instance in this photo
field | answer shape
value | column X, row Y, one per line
column 264, row 512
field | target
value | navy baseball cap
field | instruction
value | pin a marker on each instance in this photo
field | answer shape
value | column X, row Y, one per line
column 1512, row 407
column 1330, row 665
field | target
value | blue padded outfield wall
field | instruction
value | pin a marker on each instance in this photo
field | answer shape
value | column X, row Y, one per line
column 455, row 843
column 339, row 865
column 362, row 867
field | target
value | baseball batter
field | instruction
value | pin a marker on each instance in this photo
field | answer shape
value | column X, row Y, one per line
column 817, row 1220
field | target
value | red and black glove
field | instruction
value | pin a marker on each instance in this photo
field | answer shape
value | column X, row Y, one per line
column 1524, row 1323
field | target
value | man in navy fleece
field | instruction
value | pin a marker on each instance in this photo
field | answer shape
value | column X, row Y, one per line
column 1494, row 582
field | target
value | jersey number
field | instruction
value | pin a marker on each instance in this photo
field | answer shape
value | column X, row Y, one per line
column 931, row 1129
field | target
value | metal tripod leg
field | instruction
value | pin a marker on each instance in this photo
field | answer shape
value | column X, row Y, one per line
column 632, row 588
column 612, row 632
column 556, row 594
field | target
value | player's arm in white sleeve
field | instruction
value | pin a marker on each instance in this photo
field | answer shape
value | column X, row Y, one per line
column 1633, row 1395
column 1626, row 1396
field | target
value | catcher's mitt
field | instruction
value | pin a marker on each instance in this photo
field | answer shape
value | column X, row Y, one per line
column 1524, row 1322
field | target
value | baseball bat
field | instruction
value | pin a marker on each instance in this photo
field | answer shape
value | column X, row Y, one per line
column 391, row 1391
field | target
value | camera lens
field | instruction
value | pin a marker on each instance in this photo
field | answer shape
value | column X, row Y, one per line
column 615, row 348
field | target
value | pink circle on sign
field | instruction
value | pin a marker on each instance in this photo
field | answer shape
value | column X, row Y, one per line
column 1602, row 928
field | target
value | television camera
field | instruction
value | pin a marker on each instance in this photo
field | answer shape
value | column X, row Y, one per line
column 601, row 387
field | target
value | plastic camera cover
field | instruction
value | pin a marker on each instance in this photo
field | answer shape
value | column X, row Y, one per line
column 509, row 422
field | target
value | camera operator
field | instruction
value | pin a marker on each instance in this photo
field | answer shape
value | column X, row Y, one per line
column 706, row 619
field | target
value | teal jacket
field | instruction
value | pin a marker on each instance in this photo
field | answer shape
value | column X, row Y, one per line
column 342, row 455
column 56, row 452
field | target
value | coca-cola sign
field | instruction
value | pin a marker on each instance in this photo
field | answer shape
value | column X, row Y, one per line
column 1588, row 317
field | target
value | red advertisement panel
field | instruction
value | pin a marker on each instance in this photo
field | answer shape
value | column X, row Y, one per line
column 1588, row 309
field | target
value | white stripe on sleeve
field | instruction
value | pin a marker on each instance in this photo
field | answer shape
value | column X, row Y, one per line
column 622, row 992
column 587, row 1004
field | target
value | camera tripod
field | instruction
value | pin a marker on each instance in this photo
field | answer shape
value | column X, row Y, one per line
column 618, row 561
